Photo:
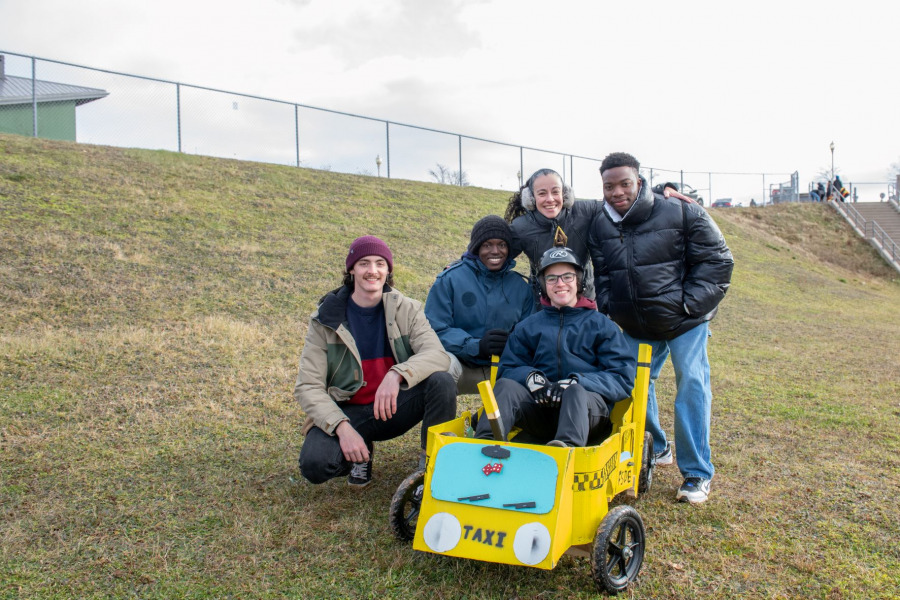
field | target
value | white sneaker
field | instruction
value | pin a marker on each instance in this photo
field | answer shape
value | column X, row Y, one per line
column 694, row 490
column 665, row 457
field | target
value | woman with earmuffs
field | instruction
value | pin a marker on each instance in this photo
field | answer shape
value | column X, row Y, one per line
column 544, row 214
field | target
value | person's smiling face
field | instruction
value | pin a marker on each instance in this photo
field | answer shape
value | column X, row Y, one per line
column 548, row 195
column 620, row 188
column 493, row 254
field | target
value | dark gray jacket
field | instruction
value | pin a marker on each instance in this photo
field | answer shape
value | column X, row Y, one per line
column 663, row 269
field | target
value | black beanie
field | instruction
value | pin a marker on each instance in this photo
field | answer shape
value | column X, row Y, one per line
column 491, row 227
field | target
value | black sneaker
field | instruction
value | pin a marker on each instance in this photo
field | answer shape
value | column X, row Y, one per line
column 361, row 473
column 694, row 490
column 665, row 457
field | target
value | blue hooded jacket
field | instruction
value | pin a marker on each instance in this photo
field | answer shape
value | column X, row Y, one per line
column 572, row 341
column 468, row 299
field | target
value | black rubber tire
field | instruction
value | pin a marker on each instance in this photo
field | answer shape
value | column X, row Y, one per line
column 404, row 511
column 618, row 549
column 648, row 465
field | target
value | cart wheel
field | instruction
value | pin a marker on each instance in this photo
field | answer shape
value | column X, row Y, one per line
column 618, row 549
column 648, row 464
column 404, row 512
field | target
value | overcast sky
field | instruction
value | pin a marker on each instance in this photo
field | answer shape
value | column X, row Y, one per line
column 759, row 86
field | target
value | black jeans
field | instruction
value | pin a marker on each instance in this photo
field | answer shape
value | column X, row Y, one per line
column 431, row 402
column 582, row 416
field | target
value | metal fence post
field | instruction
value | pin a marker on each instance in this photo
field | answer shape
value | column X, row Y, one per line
column 522, row 167
column 297, row 132
column 178, row 112
column 571, row 172
column 460, row 161
column 34, row 117
column 764, row 189
column 387, row 132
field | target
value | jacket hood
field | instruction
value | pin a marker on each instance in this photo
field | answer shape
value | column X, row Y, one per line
column 333, row 306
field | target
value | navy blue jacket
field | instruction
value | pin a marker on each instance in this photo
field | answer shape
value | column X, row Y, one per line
column 571, row 341
column 468, row 299
column 663, row 269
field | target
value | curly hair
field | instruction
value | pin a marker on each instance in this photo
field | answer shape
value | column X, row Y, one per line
column 619, row 159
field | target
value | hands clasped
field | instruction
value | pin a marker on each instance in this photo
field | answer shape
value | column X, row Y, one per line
column 545, row 393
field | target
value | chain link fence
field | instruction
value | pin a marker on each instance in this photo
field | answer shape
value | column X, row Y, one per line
column 60, row 100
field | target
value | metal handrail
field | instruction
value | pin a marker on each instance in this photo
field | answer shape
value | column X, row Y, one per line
column 884, row 240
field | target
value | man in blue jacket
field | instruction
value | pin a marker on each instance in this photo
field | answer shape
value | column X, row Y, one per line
column 661, row 267
column 476, row 301
column 564, row 366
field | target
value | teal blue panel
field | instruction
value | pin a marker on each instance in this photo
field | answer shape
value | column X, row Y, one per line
column 462, row 473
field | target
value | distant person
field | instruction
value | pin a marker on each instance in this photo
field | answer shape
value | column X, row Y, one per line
column 818, row 195
column 371, row 369
column 838, row 186
column 564, row 367
column 475, row 302
column 752, row 202
column 661, row 268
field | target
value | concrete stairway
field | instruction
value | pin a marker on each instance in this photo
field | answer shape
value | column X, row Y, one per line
column 878, row 222
column 883, row 213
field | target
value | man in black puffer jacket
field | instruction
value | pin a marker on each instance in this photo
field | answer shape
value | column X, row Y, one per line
column 661, row 267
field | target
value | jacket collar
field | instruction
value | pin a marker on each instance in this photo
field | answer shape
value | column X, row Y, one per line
column 333, row 306
column 583, row 302
column 546, row 223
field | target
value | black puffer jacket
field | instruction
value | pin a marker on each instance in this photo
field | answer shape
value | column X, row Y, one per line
column 533, row 234
column 662, row 270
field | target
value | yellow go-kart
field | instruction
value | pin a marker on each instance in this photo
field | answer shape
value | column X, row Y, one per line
column 525, row 504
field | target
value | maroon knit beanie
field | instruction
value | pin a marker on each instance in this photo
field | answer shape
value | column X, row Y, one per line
column 369, row 245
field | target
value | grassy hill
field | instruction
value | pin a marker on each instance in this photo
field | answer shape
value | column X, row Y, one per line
column 154, row 307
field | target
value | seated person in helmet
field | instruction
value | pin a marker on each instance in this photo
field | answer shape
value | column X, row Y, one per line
column 475, row 302
column 563, row 367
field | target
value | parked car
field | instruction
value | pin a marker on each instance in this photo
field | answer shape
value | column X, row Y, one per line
column 723, row 203
column 688, row 191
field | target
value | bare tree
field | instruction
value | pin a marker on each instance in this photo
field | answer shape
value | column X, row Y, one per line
column 894, row 170
column 444, row 175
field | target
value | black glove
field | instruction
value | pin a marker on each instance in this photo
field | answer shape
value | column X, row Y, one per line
column 555, row 393
column 492, row 343
column 537, row 385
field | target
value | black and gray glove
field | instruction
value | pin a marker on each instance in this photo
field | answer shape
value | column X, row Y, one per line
column 555, row 393
column 537, row 386
column 493, row 342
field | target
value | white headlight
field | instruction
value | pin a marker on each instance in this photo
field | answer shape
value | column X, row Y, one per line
column 532, row 543
column 442, row 532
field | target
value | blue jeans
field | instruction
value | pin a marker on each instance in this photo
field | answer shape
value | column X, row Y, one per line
column 693, row 399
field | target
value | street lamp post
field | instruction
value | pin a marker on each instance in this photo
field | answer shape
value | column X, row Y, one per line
column 831, row 183
column 378, row 163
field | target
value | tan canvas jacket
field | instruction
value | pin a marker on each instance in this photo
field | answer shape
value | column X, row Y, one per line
column 330, row 366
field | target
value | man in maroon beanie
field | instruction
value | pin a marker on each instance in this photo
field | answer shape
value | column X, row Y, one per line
column 372, row 368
